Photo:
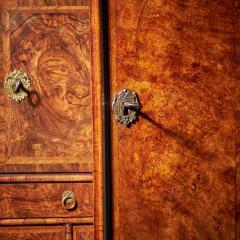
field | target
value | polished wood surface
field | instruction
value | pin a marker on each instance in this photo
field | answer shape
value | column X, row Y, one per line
column 33, row 178
column 237, row 112
column 98, row 141
column 13, row 4
column 45, row 221
column 52, row 142
column 174, row 170
column 30, row 233
column 44, row 200
column 54, row 125
column 57, row 129
column 83, row 232
column 64, row 232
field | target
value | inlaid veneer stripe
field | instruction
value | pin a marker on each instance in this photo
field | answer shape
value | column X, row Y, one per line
column 46, row 221
column 49, row 8
column 28, row 178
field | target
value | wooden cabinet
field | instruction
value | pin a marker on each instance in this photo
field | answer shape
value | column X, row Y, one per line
column 50, row 141
column 174, row 172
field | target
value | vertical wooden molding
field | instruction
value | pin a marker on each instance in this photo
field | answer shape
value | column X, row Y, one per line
column 68, row 232
column 6, row 42
column 97, row 116
column 112, row 38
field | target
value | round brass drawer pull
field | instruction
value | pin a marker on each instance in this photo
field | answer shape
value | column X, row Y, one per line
column 68, row 200
column 17, row 85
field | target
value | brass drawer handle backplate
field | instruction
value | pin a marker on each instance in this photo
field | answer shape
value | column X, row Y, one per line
column 17, row 85
column 68, row 200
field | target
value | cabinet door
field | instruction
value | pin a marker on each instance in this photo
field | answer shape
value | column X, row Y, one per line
column 51, row 130
column 174, row 169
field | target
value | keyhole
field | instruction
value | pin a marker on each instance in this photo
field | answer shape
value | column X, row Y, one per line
column 18, row 86
column 125, row 111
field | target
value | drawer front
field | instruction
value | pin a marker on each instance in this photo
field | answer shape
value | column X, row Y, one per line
column 44, row 200
column 30, row 233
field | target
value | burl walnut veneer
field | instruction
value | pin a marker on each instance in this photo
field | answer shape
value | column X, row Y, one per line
column 51, row 141
column 175, row 170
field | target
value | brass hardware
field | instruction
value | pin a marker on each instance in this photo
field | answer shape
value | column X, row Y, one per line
column 68, row 200
column 125, row 106
column 17, row 85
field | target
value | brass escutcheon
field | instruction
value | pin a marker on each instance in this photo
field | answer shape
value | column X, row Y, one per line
column 17, row 85
column 125, row 107
column 68, row 196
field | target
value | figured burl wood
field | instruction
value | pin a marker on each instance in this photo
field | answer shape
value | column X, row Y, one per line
column 237, row 111
column 54, row 124
column 30, row 233
column 62, row 55
column 41, row 200
column 174, row 170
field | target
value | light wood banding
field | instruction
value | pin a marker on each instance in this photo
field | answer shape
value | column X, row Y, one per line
column 31, row 178
column 45, row 221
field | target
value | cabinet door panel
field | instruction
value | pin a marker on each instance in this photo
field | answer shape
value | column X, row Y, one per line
column 51, row 130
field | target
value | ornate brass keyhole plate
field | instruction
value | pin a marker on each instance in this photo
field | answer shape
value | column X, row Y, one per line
column 125, row 107
column 17, row 85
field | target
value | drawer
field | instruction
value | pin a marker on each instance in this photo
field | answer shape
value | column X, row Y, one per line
column 33, row 232
column 34, row 200
column 46, row 232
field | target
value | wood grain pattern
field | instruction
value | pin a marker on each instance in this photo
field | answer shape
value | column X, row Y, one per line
column 40, row 200
column 13, row 4
column 30, row 233
column 23, row 178
column 98, row 141
column 237, row 112
column 174, row 170
column 68, row 232
column 44, row 164
column 45, row 221
column 52, row 41
column 83, row 233
column 56, row 120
